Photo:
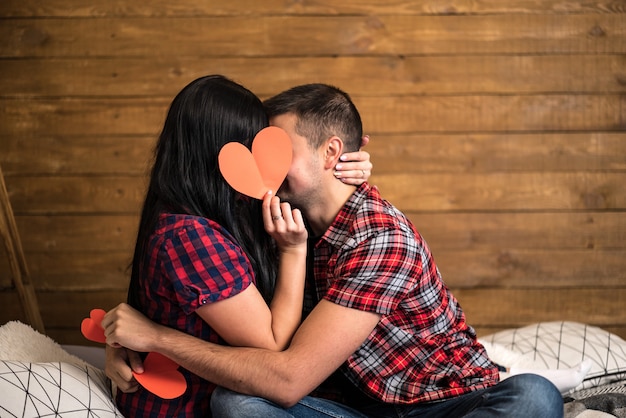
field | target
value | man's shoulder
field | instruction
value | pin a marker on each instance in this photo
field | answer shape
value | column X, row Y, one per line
column 376, row 215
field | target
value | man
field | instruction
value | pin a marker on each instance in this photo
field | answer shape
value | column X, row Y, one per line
column 383, row 335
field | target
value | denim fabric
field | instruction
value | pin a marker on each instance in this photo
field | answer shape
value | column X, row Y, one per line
column 520, row 396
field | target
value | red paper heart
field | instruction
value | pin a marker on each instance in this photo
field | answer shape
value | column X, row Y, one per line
column 91, row 327
column 264, row 169
column 161, row 377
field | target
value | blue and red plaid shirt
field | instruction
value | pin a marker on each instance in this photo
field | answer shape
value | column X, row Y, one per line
column 373, row 259
column 191, row 261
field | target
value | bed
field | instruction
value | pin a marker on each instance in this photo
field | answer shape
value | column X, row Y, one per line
column 40, row 377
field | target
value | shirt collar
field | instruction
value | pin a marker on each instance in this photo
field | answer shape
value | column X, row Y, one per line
column 341, row 228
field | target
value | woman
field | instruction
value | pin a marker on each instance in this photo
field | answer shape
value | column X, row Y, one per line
column 207, row 260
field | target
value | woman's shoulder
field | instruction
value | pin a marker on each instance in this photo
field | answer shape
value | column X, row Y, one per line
column 173, row 224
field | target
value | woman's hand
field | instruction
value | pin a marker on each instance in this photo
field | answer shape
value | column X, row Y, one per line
column 284, row 224
column 355, row 167
column 119, row 367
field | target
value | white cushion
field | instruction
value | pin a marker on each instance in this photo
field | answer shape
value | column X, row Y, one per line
column 39, row 378
column 54, row 389
column 563, row 344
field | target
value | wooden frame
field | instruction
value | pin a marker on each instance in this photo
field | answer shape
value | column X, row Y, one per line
column 17, row 261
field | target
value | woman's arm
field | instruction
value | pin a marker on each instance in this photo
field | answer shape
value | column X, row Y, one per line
column 245, row 319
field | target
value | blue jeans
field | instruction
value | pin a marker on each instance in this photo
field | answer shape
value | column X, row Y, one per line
column 520, row 396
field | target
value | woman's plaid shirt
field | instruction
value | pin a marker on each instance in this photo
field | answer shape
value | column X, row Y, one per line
column 372, row 258
column 191, row 261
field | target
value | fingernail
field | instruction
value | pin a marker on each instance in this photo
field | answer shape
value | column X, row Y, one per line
column 337, row 174
column 343, row 157
column 338, row 167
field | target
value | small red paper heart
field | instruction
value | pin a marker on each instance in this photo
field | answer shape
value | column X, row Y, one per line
column 253, row 174
column 91, row 327
column 161, row 377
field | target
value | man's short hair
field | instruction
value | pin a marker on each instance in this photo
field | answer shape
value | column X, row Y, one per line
column 322, row 111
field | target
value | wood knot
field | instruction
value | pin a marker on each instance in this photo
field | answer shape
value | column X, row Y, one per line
column 597, row 32
column 594, row 200
column 375, row 23
column 34, row 37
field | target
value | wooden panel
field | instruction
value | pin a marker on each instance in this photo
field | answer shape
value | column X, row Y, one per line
column 357, row 75
column 499, row 127
column 503, row 191
column 522, row 230
column 67, row 117
column 65, row 308
column 78, row 233
column 532, row 268
column 410, row 114
column 12, row 309
column 6, row 276
column 45, row 195
column 123, row 8
column 515, row 307
column 62, row 311
column 508, row 268
column 76, row 271
column 544, row 152
column 424, row 192
column 314, row 35
column 76, row 155
column 443, row 231
column 80, row 271
column 493, row 113
column 428, row 153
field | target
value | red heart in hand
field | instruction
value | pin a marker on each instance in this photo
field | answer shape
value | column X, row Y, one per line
column 91, row 327
column 264, row 169
column 161, row 377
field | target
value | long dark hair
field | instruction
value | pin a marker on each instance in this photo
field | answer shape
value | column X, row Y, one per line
column 209, row 112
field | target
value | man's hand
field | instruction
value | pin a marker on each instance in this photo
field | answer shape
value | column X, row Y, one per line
column 124, row 326
column 120, row 363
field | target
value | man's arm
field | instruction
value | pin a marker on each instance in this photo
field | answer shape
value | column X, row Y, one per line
column 329, row 335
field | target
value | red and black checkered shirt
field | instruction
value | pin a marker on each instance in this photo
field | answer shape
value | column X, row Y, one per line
column 373, row 259
column 191, row 261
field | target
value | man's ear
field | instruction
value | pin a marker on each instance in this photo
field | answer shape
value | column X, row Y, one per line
column 332, row 152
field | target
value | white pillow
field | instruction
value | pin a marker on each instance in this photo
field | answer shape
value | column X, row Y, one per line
column 54, row 389
column 561, row 345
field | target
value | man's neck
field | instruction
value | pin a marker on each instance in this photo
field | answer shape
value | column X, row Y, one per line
column 321, row 216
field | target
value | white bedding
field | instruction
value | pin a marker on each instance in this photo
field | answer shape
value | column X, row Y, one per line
column 44, row 377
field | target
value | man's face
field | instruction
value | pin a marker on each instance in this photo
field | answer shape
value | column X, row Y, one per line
column 302, row 183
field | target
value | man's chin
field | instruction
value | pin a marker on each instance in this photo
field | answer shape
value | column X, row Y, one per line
column 283, row 193
column 285, row 196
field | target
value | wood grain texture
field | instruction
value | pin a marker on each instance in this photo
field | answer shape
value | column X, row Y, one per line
column 499, row 127
column 314, row 35
column 403, row 75
column 381, row 115
column 154, row 8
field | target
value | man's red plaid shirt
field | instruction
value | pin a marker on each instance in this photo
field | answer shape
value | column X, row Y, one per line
column 373, row 259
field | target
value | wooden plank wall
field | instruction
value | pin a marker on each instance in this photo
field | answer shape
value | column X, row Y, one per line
column 499, row 127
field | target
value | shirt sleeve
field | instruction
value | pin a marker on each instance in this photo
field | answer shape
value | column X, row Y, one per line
column 377, row 273
column 204, row 266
